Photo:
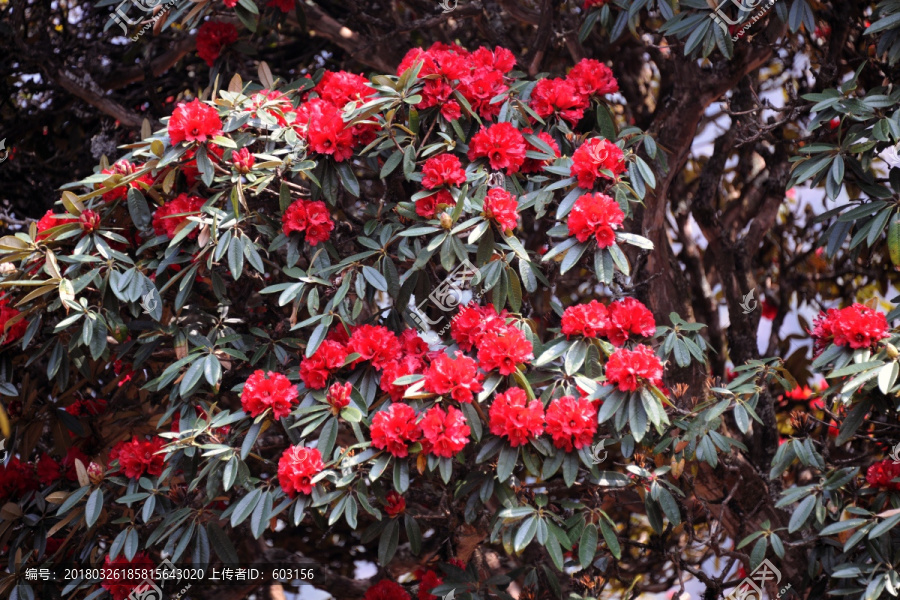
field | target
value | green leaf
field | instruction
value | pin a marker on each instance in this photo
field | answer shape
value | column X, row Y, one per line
column 387, row 545
column 93, row 507
column 587, row 545
column 800, row 516
column 245, row 507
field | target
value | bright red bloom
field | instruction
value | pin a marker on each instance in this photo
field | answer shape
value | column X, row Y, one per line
column 375, row 343
column 386, row 590
column 338, row 396
column 171, row 216
column 592, row 78
column 500, row 59
column 502, row 207
column 296, row 467
column 629, row 316
column 412, row 344
column 513, row 417
column 572, row 423
column 268, row 390
column 120, row 588
column 630, row 369
column 15, row 331
column 212, row 37
column 408, row 365
column 502, row 144
column 592, row 3
column 458, row 377
column 394, row 504
column 429, row 206
column 428, row 580
column 597, row 215
column 882, row 474
column 589, row 320
column 473, row 322
column 857, row 326
column 309, row 217
column 342, row 87
column 284, row 6
column 242, row 160
column 139, row 457
column 480, row 88
column 534, row 165
column 16, row 479
column 451, row 110
column 272, row 103
column 443, row 169
column 504, row 351
column 394, row 429
column 47, row 469
column 194, row 122
column 445, row 432
column 328, row 358
column 592, row 156
column 89, row 221
column 51, row 220
column 557, row 97
column 85, row 407
column 124, row 168
column 321, row 124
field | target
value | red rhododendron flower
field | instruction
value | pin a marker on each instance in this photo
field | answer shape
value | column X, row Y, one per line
column 882, row 474
column 428, row 580
column 284, row 6
column 445, row 432
column 343, row 87
column 429, row 206
column 89, row 221
column 535, row 165
column 516, row 419
column 589, row 320
column 559, row 98
column 504, row 351
column 321, row 124
column 309, row 217
column 394, row 504
column 16, row 479
column 592, row 3
column 47, row 470
column 51, row 220
column 13, row 332
column 338, row 396
column 408, row 365
column 501, row 206
column 139, row 457
column 328, row 358
column 443, row 169
column 171, row 216
column 502, row 144
column 458, row 377
column 630, row 369
column 473, row 322
column 857, row 326
column 375, row 343
column 479, row 88
column 628, row 316
column 117, row 582
column 268, row 390
column 451, row 110
column 194, row 122
column 85, row 407
column 597, row 215
column 242, row 160
column 592, row 156
column 412, row 344
column 124, row 168
column 394, row 429
column 500, row 59
column 592, row 78
column 296, row 467
column 572, row 423
column 386, row 590
column 212, row 37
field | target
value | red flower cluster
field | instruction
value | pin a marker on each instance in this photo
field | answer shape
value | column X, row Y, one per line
column 445, row 433
column 120, row 588
column 597, row 215
column 194, row 122
column 328, row 358
column 516, row 419
column 296, row 467
column 284, row 6
column 374, row 343
column 504, row 351
column 321, row 124
column 592, row 156
column 171, row 216
column 14, row 332
column 474, row 322
column 49, row 221
column 857, row 326
column 341, row 87
column 212, row 37
column 443, row 169
column 268, row 390
column 571, row 423
column 124, row 168
column 592, row 78
column 394, row 429
column 501, row 206
column 47, row 470
column 411, row 361
column 882, row 475
column 139, row 457
column 16, row 479
column 557, row 98
column 394, row 504
column 428, row 580
column 502, row 144
column 386, row 590
column 309, row 217
column 536, row 165
column 85, row 407
column 589, row 320
column 629, row 316
column 429, row 206
column 630, row 369
column 458, row 377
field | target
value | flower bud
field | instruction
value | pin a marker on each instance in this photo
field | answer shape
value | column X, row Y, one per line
column 339, row 396
column 446, row 221
column 242, row 160
column 892, row 350
column 89, row 221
